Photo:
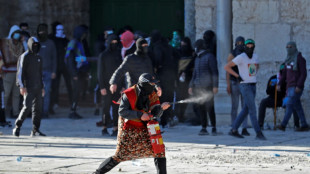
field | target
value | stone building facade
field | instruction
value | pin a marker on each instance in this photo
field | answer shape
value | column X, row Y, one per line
column 69, row 12
column 271, row 23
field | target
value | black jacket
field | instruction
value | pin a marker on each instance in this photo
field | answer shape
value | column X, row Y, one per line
column 29, row 69
column 108, row 62
column 271, row 89
column 61, row 46
column 135, row 65
column 205, row 72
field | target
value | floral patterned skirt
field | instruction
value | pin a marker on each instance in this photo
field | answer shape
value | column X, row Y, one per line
column 133, row 143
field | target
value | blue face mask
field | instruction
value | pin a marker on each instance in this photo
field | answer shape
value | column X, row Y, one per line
column 16, row 36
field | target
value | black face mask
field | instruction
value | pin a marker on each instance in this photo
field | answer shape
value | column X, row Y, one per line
column 249, row 51
column 146, row 88
column 240, row 48
column 43, row 37
column 113, row 46
column 35, row 48
column 145, row 50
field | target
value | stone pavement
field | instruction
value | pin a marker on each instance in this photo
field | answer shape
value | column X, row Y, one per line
column 76, row 146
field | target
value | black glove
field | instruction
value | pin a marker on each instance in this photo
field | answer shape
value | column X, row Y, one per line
column 239, row 79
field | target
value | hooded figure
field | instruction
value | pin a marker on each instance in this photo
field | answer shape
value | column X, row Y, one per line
column 78, row 66
column 61, row 42
column 11, row 48
column 209, row 38
column 142, row 47
column 29, row 80
column 108, row 62
column 42, row 32
column 128, row 42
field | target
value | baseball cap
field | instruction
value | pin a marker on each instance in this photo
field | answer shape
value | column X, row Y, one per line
column 148, row 78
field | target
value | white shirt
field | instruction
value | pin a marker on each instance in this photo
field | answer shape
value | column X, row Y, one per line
column 247, row 67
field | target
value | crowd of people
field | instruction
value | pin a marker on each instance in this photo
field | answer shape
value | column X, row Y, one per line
column 33, row 64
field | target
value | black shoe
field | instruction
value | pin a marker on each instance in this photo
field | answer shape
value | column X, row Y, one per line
column 214, row 133
column 260, row 136
column 104, row 132
column 16, row 131
column 203, row 131
column 235, row 134
column 114, row 133
column 7, row 123
column 34, row 132
column 96, row 112
column 74, row 115
column 302, row 129
column 245, row 132
column 281, row 128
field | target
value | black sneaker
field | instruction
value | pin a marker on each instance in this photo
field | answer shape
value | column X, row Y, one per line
column 34, row 132
column 203, row 131
column 104, row 132
column 214, row 133
column 302, row 129
column 235, row 134
column 260, row 136
column 114, row 133
column 16, row 131
column 281, row 128
column 245, row 132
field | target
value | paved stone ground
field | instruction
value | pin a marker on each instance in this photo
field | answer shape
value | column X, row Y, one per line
column 76, row 146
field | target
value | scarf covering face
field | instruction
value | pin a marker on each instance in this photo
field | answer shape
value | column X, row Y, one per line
column 145, row 89
column 292, row 54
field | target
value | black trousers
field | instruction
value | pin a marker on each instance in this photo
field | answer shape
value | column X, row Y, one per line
column 32, row 103
column 107, row 103
column 206, row 108
column 268, row 102
column 77, row 87
column 55, row 86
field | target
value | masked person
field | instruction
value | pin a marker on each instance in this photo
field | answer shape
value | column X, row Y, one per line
column 108, row 62
column 78, row 67
column 185, row 71
column 247, row 63
column 294, row 74
column 48, row 54
column 137, row 102
column 133, row 66
column 233, row 85
column 204, row 82
column 29, row 80
column 128, row 42
column 11, row 49
column 61, row 43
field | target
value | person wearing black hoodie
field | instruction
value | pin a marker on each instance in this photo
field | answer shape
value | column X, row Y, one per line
column 61, row 42
column 135, row 65
column 164, row 60
column 108, row 62
column 78, row 67
column 205, row 82
column 29, row 80
column 185, row 71
column 48, row 53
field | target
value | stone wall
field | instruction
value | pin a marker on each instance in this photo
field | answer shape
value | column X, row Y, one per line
column 272, row 23
column 69, row 12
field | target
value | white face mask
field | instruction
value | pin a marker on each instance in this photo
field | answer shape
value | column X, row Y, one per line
column 60, row 31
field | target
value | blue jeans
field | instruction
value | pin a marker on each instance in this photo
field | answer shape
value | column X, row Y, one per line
column 235, row 95
column 293, row 102
column 248, row 92
column 47, row 80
